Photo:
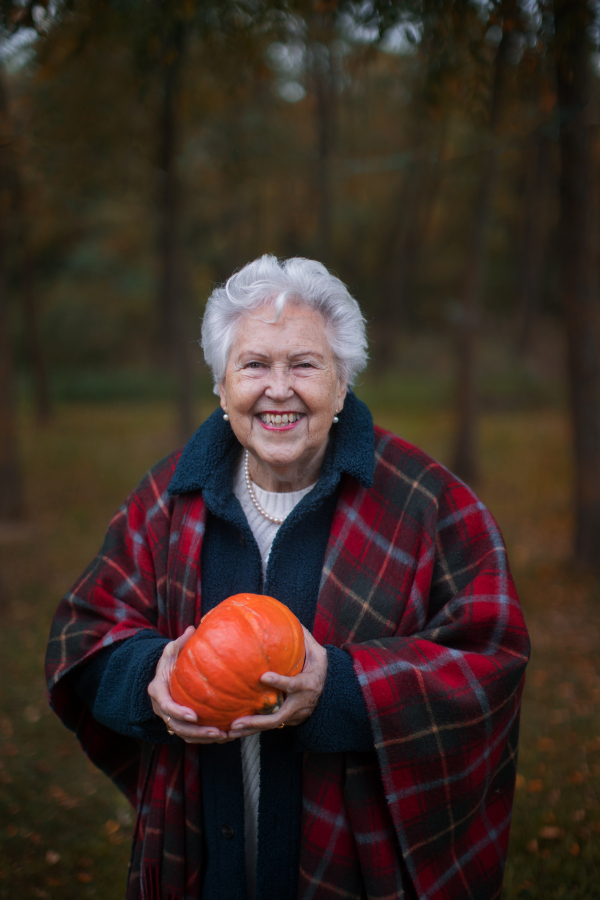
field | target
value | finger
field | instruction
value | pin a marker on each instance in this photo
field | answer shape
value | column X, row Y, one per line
column 164, row 706
column 196, row 733
column 245, row 732
column 182, row 640
column 251, row 724
column 284, row 683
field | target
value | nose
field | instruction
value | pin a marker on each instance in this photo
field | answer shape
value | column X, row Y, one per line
column 279, row 386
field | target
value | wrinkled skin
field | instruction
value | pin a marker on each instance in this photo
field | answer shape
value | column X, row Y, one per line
column 276, row 367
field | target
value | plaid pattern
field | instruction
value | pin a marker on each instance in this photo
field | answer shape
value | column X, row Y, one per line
column 416, row 588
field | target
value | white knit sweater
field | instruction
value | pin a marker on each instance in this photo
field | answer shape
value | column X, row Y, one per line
column 280, row 506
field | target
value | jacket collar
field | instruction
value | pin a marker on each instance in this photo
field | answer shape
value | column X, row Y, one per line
column 209, row 457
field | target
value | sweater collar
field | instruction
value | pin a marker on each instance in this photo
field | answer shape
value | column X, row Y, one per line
column 209, row 457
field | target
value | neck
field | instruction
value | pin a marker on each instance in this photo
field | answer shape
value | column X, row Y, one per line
column 285, row 478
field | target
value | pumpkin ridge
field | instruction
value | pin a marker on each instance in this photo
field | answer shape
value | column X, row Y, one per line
column 224, row 665
column 246, row 636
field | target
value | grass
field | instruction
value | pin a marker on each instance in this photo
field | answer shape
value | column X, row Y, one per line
column 65, row 831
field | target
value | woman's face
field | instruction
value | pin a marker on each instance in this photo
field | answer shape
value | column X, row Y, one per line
column 279, row 369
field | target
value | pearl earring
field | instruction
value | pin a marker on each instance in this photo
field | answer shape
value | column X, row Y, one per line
column 335, row 420
column 226, row 417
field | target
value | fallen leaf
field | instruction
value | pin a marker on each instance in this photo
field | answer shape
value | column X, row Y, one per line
column 554, row 796
column 545, row 744
column 566, row 690
column 85, row 877
column 111, row 826
column 124, row 816
column 11, row 830
column 535, row 786
column 532, row 846
column 520, row 782
column 54, row 882
column 52, row 857
column 31, row 714
column 578, row 815
column 61, row 796
column 576, row 778
column 551, row 832
column 6, row 726
column 574, row 849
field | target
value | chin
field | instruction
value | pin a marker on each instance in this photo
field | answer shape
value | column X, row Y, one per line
column 278, row 459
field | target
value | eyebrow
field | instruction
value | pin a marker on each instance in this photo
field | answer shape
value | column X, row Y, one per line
column 297, row 354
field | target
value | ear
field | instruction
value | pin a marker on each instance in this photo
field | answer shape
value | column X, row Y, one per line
column 223, row 397
column 342, row 395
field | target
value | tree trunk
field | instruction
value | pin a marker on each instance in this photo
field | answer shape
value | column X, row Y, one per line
column 33, row 344
column 465, row 461
column 173, row 339
column 413, row 208
column 324, row 96
column 11, row 485
column 323, row 86
column 530, row 279
column 578, row 271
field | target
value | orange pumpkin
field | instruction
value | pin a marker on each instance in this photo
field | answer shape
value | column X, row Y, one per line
column 217, row 674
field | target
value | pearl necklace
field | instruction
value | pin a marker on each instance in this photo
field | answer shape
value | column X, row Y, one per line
column 262, row 511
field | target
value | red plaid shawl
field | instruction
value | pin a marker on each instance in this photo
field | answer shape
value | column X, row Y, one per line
column 416, row 588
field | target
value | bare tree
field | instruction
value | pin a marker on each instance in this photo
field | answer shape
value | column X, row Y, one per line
column 538, row 197
column 173, row 338
column 323, row 86
column 465, row 461
column 579, row 289
column 30, row 308
column 11, row 484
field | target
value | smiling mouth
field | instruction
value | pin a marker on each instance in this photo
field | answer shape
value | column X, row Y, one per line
column 280, row 418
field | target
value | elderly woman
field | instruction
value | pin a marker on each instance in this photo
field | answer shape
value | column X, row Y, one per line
column 389, row 770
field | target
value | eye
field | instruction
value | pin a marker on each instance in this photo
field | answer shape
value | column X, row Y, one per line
column 254, row 365
column 304, row 365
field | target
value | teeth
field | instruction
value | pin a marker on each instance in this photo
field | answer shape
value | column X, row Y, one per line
column 284, row 419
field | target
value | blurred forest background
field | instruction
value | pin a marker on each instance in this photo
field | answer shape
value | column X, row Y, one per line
column 440, row 156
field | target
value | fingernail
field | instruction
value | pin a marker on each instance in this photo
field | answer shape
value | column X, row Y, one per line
column 212, row 734
column 238, row 728
column 190, row 718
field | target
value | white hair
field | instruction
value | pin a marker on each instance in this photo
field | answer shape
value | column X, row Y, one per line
column 268, row 281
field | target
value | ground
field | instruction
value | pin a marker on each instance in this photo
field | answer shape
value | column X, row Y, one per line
column 64, row 830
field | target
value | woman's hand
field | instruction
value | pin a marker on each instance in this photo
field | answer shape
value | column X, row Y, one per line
column 179, row 719
column 303, row 693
